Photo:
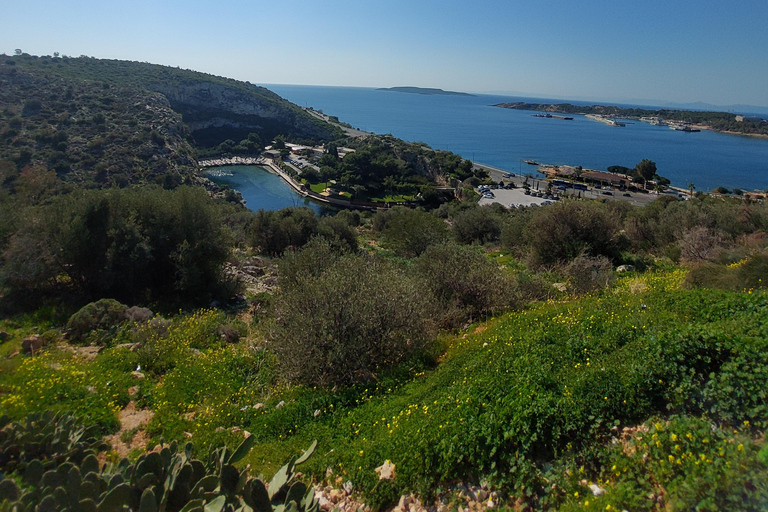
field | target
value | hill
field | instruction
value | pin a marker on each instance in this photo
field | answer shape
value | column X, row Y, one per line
column 425, row 90
column 117, row 122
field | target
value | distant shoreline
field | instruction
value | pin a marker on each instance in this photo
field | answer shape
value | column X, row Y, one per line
column 720, row 122
column 427, row 91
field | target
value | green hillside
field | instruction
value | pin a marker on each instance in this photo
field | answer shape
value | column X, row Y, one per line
column 653, row 393
column 104, row 122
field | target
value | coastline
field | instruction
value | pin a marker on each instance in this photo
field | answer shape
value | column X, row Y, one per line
column 270, row 166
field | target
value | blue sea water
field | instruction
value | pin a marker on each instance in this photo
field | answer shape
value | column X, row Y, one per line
column 262, row 189
column 471, row 127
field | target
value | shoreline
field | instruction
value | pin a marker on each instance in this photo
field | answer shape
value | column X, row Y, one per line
column 269, row 165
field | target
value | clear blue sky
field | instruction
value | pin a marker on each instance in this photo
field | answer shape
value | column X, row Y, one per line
column 672, row 50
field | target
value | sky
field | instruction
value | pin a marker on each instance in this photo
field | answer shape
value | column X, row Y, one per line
column 649, row 52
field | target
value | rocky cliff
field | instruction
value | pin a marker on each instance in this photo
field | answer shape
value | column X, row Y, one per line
column 215, row 112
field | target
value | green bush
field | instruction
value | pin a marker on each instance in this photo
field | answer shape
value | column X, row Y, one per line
column 170, row 243
column 95, row 322
column 477, row 225
column 464, row 282
column 276, row 231
column 586, row 274
column 359, row 315
column 409, row 232
column 568, row 229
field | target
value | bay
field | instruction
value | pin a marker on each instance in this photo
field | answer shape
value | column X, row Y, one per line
column 471, row 127
column 262, row 189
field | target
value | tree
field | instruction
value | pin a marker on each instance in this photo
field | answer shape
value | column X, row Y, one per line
column 276, row 231
column 691, row 187
column 477, row 225
column 357, row 316
column 133, row 245
column 566, row 230
column 410, row 232
column 464, row 282
column 646, row 169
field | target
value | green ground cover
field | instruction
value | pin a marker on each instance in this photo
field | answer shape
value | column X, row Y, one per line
column 654, row 393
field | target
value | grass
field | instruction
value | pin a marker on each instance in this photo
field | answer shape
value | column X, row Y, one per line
column 535, row 402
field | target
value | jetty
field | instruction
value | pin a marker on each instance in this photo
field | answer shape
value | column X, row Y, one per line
column 607, row 120
column 232, row 160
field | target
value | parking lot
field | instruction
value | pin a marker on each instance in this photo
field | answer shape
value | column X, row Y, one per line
column 515, row 197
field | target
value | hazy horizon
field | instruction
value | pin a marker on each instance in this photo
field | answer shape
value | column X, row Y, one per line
column 665, row 52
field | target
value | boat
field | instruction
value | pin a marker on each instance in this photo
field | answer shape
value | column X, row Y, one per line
column 551, row 116
column 531, row 162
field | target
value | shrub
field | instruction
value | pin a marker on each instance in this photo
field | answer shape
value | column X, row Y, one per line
column 96, row 321
column 276, row 231
column 464, row 282
column 338, row 232
column 410, row 232
column 357, row 316
column 699, row 244
column 568, row 229
column 589, row 273
column 477, row 225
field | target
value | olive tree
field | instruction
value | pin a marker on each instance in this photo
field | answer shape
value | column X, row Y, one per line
column 357, row 316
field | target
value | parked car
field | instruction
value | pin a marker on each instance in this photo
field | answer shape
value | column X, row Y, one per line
column 606, row 193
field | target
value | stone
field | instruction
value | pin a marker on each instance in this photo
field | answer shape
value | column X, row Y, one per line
column 561, row 287
column 280, row 404
column 32, row 344
column 481, row 495
column 138, row 314
column 324, row 503
column 386, row 471
column 625, row 268
column 4, row 336
column 596, row 490
column 259, row 406
column 348, row 487
column 137, row 375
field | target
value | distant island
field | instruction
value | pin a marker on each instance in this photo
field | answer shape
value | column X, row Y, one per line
column 424, row 90
column 725, row 122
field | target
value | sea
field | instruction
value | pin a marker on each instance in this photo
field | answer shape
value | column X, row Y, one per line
column 471, row 127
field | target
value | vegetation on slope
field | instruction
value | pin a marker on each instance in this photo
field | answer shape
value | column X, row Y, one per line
column 721, row 121
column 651, row 390
column 106, row 122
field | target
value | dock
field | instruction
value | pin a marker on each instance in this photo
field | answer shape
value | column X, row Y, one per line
column 606, row 120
